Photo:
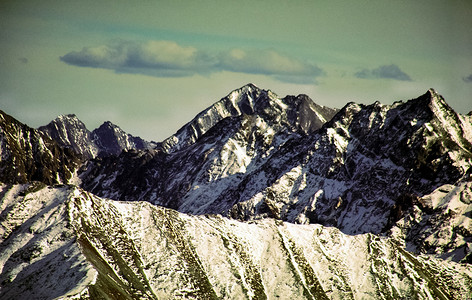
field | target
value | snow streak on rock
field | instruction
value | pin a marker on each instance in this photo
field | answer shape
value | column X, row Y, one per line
column 65, row 242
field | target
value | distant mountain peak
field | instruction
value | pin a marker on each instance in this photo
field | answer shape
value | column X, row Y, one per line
column 27, row 154
column 67, row 118
column 111, row 139
column 429, row 100
column 108, row 125
column 433, row 93
column 249, row 86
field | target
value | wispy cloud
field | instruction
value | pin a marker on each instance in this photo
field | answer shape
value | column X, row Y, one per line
column 169, row 59
column 386, row 71
column 467, row 78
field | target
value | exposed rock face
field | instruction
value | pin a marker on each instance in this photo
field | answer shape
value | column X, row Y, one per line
column 28, row 154
column 64, row 242
column 439, row 223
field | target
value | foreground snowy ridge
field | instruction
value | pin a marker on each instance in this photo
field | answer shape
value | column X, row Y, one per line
column 63, row 242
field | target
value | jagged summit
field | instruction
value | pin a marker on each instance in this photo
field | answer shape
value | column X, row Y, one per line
column 248, row 88
column 430, row 99
column 428, row 103
column 108, row 125
column 66, row 118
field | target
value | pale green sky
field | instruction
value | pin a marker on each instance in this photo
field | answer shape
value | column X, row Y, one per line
column 151, row 66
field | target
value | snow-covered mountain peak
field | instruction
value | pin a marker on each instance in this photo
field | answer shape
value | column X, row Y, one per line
column 67, row 116
column 247, row 89
column 294, row 113
column 345, row 114
column 28, row 154
column 442, row 124
column 71, row 119
column 111, row 139
column 66, row 122
column 110, row 127
column 250, row 99
column 108, row 124
column 430, row 102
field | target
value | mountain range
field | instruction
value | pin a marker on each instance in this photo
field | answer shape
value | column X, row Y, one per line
column 257, row 197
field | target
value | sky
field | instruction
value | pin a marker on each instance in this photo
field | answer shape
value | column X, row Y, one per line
column 151, row 66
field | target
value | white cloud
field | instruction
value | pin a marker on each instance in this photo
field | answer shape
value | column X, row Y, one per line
column 169, row 59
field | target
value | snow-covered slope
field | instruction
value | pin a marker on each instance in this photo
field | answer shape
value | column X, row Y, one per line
column 439, row 223
column 64, row 242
